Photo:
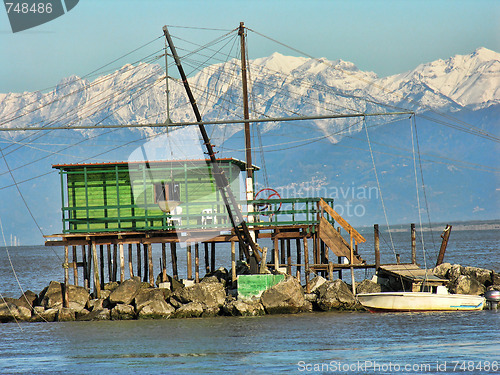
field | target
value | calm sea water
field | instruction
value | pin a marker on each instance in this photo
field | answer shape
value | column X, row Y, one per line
column 357, row 343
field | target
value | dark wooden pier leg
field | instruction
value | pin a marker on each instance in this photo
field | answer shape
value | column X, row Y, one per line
column 413, row 244
column 146, row 266
column 340, row 270
column 150, row 265
column 299, row 260
column 110, row 264
column 189, row 263
column 89, row 264
column 196, row 263
column 376, row 238
column 233, row 264
column 306, row 265
column 122, row 263
column 288, row 257
column 101, row 264
column 139, row 261
column 164, row 263
column 84, row 263
column 276, row 254
column 212, row 256
column 444, row 243
column 115, row 261
column 75, row 267
column 173, row 254
column 282, row 251
column 130, row 264
column 66, row 276
column 207, row 258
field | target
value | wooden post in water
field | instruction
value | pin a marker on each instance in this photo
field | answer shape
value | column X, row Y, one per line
column 130, row 264
column 339, row 259
column 150, row 265
column 376, row 239
column 101, row 264
column 164, row 263
column 110, row 264
column 398, row 259
column 75, row 267
column 146, row 264
column 173, row 254
column 207, row 258
column 115, row 261
column 445, row 236
column 263, row 263
column 288, row 257
column 89, row 264
column 276, row 255
column 97, row 284
column 233, row 263
column 282, row 252
column 330, row 271
column 196, row 263
column 413, row 244
column 189, row 263
column 66, row 276
column 122, row 263
column 306, row 265
column 84, row 263
column 353, row 281
column 299, row 260
column 212, row 256
column 139, row 258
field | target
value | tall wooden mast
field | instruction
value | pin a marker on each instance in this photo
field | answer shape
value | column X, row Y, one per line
column 221, row 181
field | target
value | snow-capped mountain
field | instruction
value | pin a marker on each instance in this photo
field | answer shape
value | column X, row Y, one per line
column 280, row 86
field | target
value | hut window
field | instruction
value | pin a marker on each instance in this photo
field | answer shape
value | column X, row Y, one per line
column 167, row 192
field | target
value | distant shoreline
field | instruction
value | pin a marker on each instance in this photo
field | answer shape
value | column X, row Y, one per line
column 457, row 226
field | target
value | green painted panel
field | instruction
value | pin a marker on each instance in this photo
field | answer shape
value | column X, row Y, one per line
column 253, row 285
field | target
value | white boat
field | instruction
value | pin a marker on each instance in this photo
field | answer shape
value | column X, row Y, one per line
column 420, row 301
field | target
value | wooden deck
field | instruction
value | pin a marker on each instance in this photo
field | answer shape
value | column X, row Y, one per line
column 412, row 276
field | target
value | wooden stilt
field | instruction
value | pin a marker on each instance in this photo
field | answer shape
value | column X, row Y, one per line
column 97, row 284
column 306, row 265
column 110, row 265
column 276, row 254
column 139, row 259
column 299, row 260
column 353, row 281
column 340, row 271
column 263, row 264
column 377, row 246
column 164, row 263
column 173, row 254
column 115, row 261
column 444, row 243
column 233, row 263
column 89, row 264
column 413, row 244
column 66, row 277
column 196, row 263
column 85, row 275
column 212, row 256
column 282, row 251
column 130, row 264
column 150, row 265
column 330, row 271
column 207, row 258
column 288, row 257
column 101, row 265
column 146, row 264
column 189, row 263
column 122, row 263
column 75, row 267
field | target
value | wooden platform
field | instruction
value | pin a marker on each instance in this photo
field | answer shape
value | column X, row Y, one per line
column 411, row 275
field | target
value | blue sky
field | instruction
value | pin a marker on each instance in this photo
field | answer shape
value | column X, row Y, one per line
column 386, row 37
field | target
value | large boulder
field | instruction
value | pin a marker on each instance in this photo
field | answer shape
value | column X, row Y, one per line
column 241, row 308
column 148, row 295
column 126, row 291
column 482, row 275
column 209, row 294
column 28, row 299
column 156, row 309
column 66, row 314
column 189, row 310
column 455, row 272
column 316, row 282
column 467, row 285
column 122, row 312
column 335, row 295
column 286, row 297
column 97, row 314
column 368, row 286
column 51, row 297
column 442, row 270
column 10, row 312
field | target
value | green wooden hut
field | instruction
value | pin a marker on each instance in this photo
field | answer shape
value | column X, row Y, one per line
column 140, row 196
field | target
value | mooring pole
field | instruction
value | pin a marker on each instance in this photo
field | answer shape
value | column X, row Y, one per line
column 376, row 239
column 413, row 244
column 445, row 236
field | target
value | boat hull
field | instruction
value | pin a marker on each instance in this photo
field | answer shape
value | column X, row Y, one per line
column 419, row 302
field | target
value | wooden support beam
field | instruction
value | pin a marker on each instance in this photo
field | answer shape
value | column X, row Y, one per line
column 122, row 263
column 189, row 263
column 376, row 238
column 173, row 254
column 413, row 244
column 306, row 265
column 89, row 264
column 212, row 257
column 207, row 257
column 288, row 257
column 299, row 260
column 282, row 251
column 233, row 264
column 85, row 275
column 340, row 271
column 97, row 284
column 139, row 259
column 115, row 262
column 164, row 262
column 341, row 221
column 130, row 263
column 146, row 264
column 276, row 254
column 66, row 277
column 353, row 281
column 75, row 267
column 196, row 263
column 263, row 264
column 444, row 243
column 110, row 264
column 330, row 271
column 101, row 264
column 150, row 266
